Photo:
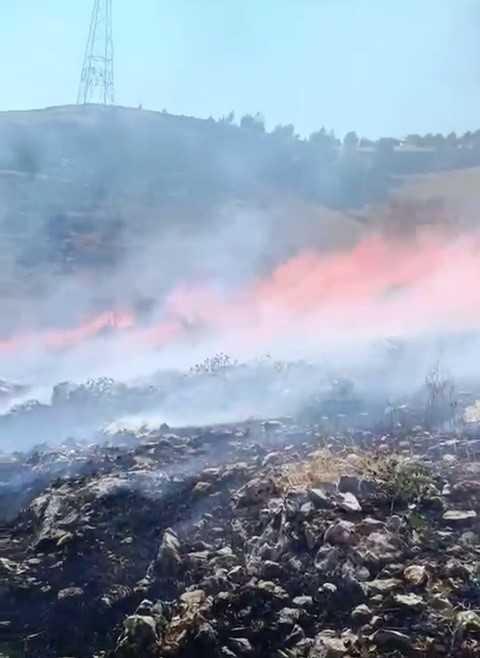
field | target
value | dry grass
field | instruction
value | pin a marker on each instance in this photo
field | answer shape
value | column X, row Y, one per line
column 400, row 479
column 454, row 185
column 322, row 467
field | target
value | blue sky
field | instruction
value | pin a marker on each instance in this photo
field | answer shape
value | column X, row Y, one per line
column 381, row 67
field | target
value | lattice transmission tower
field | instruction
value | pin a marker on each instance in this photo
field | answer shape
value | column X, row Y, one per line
column 96, row 82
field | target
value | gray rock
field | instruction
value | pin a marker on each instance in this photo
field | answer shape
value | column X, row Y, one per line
column 241, row 646
column 168, row 560
column 206, row 636
column 305, row 602
column 459, row 516
column 340, row 533
column 384, row 585
column 349, row 484
column 320, row 499
column 416, row 574
column 227, row 653
column 347, row 502
column 288, row 616
column 139, row 638
column 70, row 593
column 256, row 491
column 369, row 488
column 410, row 601
column 307, row 510
column 328, row 588
column 328, row 646
column 389, row 638
column 362, row 613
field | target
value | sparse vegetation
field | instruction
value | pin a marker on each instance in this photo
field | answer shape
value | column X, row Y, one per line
column 400, row 480
column 442, row 403
column 404, row 480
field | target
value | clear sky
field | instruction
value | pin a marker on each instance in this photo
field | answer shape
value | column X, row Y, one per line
column 381, row 67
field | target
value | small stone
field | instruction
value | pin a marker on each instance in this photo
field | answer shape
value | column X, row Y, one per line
column 289, row 616
column 194, row 598
column 369, row 525
column 226, row 653
column 459, row 516
column 328, row 647
column 383, row 585
column 70, row 593
column 202, row 487
column 369, row 488
column 241, row 646
column 394, row 523
column 328, row 588
column 271, row 569
column 347, row 502
column 340, row 533
column 168, row 558
column 296, row 636
column 206, row 636
column 362, row 613
column 416, row 574
column 307, row 510
column 412, row 601
column 237, row 574
column 349, row 484
column 385, row 637
column 320, row 499
column 141, row 629
column 456, row 569
column 303, row 602
column 257, row 491
column 468, row 539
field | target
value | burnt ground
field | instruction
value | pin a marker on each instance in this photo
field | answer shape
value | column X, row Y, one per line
column 266, row 539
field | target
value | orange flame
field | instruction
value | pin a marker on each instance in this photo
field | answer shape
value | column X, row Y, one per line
column 378, row 286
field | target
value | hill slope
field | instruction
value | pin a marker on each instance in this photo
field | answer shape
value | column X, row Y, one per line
column 129, row 200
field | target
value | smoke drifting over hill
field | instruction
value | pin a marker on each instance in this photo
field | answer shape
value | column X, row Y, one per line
column 311, row 306
column 141, row 241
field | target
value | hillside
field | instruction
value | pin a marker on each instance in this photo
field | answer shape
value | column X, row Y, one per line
column 85, row 190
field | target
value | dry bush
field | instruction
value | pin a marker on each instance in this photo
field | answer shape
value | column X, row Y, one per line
column 321, row 467
column 442, row 403
column 217, row 363
column 402, row 480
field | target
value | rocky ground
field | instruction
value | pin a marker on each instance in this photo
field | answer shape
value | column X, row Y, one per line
column 266, row 539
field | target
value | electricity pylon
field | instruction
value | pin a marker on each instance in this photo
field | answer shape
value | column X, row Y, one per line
column 96, row 82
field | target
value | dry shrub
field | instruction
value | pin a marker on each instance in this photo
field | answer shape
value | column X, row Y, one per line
column 402, row 480
column 321, row 467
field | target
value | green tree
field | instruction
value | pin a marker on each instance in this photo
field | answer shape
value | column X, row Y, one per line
column 254, row 123
column 228, row 119
column 323, row 139
column 286, row 132
column 366, row 143
column 414, row 139
column 452, row 139
column 351, row 141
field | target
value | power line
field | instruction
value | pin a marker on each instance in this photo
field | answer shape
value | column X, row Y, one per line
column 97, row 82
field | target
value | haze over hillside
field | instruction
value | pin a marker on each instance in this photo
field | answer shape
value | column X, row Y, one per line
column 111, row 208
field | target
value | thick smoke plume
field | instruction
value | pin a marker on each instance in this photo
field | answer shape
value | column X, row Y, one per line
column 311, row 304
